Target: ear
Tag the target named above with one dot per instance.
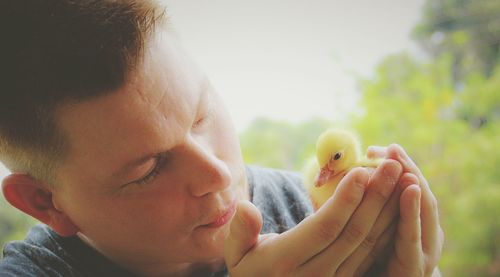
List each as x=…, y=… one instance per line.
x=35, y=199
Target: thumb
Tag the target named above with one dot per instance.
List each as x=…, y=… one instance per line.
x=244, y=233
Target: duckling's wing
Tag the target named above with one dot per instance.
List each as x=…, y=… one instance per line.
x=366, y=162
x=310, y=171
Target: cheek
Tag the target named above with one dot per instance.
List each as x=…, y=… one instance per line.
x=227, y=146
x=228, y=149
x=144, y=214
x=159, y=206
x=225, y=138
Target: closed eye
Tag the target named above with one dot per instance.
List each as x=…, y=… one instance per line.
x=160, y=162
x=204, y=119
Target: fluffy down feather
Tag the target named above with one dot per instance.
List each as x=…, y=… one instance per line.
x=337, y=152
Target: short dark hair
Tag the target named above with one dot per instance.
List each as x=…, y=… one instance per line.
x=56, y=51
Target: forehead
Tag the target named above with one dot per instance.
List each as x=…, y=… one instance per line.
x=145, y=115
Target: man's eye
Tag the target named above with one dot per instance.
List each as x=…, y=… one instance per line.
x=203, y=120
x=161, y=160
x=198, y=122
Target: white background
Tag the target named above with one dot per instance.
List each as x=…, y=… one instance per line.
x=291, y=59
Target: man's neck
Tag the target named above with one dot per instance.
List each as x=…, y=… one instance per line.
x=186, y=269
x=156, y=269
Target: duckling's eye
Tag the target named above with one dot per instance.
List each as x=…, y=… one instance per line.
x=337, y=156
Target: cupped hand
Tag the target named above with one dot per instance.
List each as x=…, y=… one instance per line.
x=324, y=243
x=419, y=237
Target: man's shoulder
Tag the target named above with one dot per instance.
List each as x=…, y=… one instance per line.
x=37, y=255
x=280, y=196
x=45, y=253
x=262, y=177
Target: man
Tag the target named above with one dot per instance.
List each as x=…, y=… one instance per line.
x=119, y=144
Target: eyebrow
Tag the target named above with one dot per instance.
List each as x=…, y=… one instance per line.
x=205, y=97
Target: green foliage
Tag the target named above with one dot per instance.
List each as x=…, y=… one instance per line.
x=280, y=144
x=13, y=224
x=469, y=29
x=444, y=112
x=454, y=137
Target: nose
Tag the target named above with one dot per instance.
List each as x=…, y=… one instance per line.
x=205, y=172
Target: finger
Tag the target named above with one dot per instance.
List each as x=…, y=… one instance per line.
x=380, y=188
x=380, y=252
x=405, y=181
x=319, y=230
x=429, y=213
x=388, y=215
x=408, y=245
x=244, y=233
x=375, y=152
x=390, y=212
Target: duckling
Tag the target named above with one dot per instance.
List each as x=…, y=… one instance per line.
x=337, y=152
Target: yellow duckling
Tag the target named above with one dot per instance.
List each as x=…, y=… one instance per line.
x=337, y=151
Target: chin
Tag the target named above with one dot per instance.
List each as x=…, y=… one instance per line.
x=210, y=243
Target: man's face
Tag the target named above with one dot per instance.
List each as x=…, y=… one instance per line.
x=154, y=169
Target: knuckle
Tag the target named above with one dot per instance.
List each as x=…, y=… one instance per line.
x=408, y=178
x=392, y=169
x=358, y=176
x=387, y=175
x=350, y=199
x=328, y=230
x=369, y=242
x=284, y=267
x=354, y=233
x=380, y=195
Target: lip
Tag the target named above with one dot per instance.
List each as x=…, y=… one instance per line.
x=223, y=218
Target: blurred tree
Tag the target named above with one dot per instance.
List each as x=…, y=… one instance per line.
x=280, y=144
x=469, y=29
x=415, y=104
x=13, y=223
x=445, y=112
x=452, y=135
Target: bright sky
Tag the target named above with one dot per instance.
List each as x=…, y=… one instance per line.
x=290, y=59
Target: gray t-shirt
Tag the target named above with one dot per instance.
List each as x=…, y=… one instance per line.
x=278, y=194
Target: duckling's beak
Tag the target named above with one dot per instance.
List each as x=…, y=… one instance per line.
x=323, y=176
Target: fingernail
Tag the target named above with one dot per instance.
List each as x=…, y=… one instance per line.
x=391, y=169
